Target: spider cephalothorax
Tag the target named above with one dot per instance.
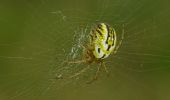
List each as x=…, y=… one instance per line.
x=88, y=55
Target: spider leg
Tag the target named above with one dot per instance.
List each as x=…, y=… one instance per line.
x=105, y=68
x=76, y=62
x=76, y=74
x=83, y=46
x=123, y=31
x=96, y=75
x=80, y=72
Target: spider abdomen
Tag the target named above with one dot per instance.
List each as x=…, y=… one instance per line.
x=103, y=40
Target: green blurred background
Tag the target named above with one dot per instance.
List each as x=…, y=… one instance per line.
x=36, y=36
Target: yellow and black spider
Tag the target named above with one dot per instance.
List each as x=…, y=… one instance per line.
x=102, y=43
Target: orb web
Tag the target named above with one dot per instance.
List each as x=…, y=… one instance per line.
x=34, y=65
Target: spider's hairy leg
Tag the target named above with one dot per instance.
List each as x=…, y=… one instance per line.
x=120, y=42
x=80, y=72
x=105, y=68
x=76, y=74
x=76, y=62
x=83, y=46
x=96, y=75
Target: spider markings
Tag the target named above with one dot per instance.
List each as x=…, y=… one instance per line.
x=103, y=40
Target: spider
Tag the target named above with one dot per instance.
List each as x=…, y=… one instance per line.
x=102, y=43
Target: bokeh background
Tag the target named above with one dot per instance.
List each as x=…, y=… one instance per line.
x=38, y=36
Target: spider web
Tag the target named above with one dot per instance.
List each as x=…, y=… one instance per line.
x=33, y=62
